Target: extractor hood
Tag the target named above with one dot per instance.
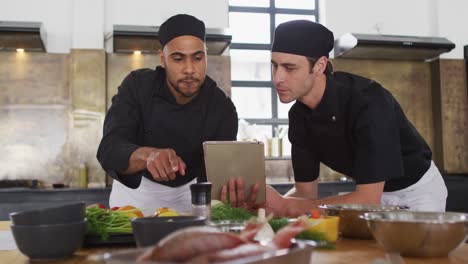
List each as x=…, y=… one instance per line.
x=368, y=46
x=29, y=36
x=145, y=39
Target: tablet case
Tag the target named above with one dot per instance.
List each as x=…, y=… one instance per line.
x=233, y=159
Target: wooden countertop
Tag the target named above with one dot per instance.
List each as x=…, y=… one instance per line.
x=346, y=251
x=366, y=251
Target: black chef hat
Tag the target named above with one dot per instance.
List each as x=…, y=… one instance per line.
x=181, y=25
x=303, y=37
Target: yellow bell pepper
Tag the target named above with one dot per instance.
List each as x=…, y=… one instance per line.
x=328, y=225
x=165, y=211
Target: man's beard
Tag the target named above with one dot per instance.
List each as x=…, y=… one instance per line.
x=181, y=92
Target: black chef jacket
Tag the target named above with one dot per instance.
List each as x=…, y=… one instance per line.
x=359, y=130
x=145, y=113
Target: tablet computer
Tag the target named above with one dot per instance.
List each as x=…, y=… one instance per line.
x=226, y=160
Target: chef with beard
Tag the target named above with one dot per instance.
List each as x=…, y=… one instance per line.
x=158, y=120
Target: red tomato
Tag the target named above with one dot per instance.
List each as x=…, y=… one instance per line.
x=99, y=205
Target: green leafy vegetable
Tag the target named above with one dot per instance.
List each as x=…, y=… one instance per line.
x=224, y=211
x=105, y=221
x=312, y=235
x=278, y=223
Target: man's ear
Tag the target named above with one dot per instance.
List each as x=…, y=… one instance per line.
x=321, y=65
x=161, y=59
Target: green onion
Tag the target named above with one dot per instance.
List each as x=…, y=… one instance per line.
x=104, y=222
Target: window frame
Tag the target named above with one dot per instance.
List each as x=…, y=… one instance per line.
x=274, y=121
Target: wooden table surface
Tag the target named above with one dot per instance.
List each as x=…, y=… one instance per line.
x=346, y=251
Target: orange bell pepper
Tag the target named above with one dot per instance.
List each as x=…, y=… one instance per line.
x=131, y=211
x=314, y=213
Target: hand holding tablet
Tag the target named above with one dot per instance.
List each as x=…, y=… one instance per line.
x=226, y=160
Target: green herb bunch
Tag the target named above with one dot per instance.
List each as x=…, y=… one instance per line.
x=224, y=211
x=105, y=221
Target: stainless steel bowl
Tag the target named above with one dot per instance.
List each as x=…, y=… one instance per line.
x=418, y=234
x=351, y=225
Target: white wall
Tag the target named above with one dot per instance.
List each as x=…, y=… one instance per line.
x=453, y=23
x=400, y=17
x=154, y=12
x=83, y=23
x=87, y=24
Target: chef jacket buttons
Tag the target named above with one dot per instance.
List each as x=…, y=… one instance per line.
x=148, y=132
x=333, y=118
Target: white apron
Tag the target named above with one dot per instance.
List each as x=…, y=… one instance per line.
x=150, y=196
x=428, y=194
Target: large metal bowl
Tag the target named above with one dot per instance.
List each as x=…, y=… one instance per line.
x=351, y=225
x=418, y=234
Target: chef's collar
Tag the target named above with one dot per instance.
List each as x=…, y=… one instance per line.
x=328, y=106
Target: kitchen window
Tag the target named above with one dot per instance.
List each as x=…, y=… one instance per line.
x=252, y=24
